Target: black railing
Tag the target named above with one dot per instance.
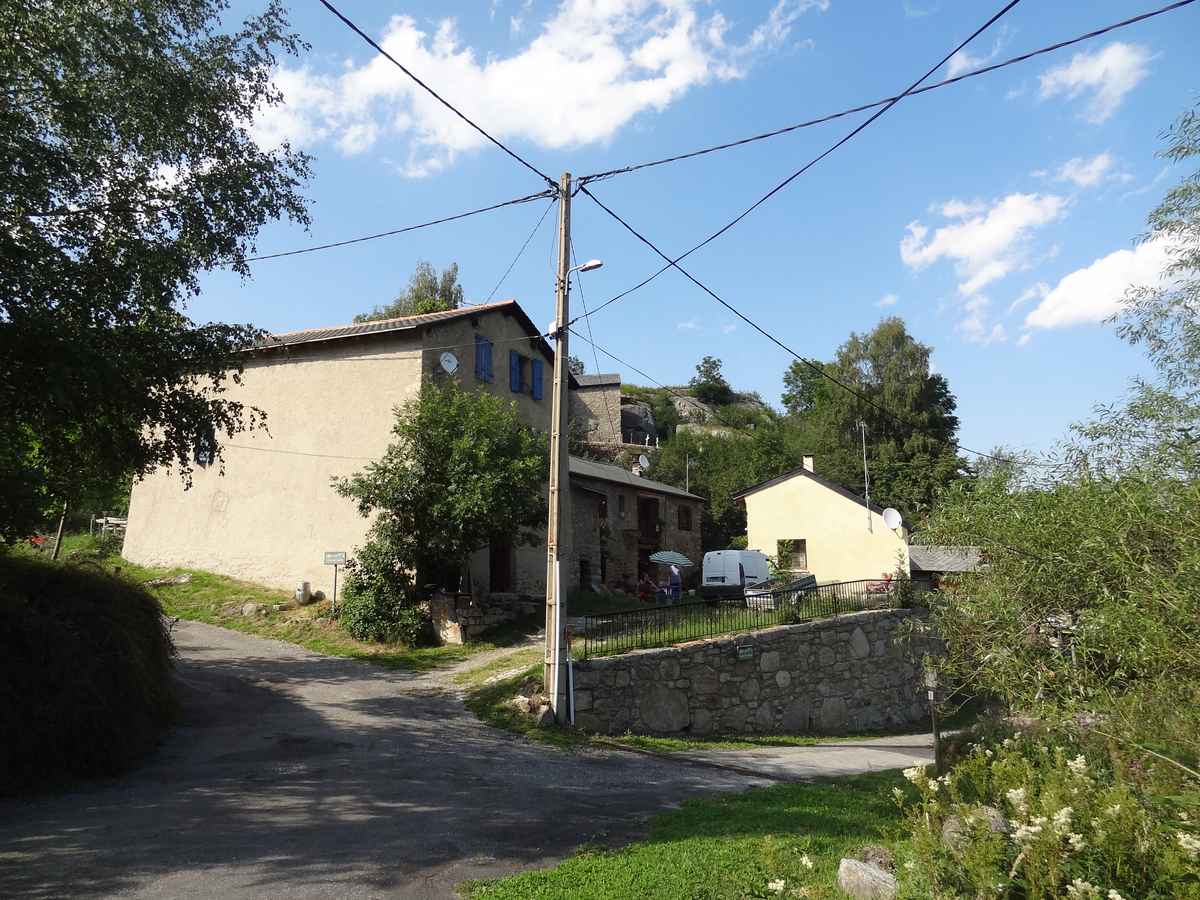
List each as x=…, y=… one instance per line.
x=661, y=626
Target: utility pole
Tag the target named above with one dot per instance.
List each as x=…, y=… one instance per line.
x=560, y=493
x=866, y=476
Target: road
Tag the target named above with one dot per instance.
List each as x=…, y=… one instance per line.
x=299, y=775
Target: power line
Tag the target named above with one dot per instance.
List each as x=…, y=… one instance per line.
x=1024, y=57
x=407, y=228
x=442, y=100
x=615, y=425
x=521, y=252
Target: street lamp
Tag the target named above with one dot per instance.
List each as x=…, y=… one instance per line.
x=587, y=266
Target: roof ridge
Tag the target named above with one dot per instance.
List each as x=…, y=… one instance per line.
x=393, y=320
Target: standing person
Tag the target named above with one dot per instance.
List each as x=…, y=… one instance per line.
x=676, y=583
x=646, y=588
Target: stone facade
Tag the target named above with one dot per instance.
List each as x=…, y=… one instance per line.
x=833, y=676
x=462, y=619
x=595, y=413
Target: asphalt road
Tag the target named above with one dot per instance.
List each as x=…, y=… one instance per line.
x=298, y=775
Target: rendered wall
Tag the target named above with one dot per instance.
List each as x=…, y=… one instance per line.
x=840, y=548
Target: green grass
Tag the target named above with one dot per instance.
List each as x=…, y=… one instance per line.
x=590, y=603
x=522, y=661
x=218, y=600
x=728, y=847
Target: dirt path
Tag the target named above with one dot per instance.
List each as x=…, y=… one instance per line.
x=298, y=775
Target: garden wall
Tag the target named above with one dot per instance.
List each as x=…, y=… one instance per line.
x=837, y=675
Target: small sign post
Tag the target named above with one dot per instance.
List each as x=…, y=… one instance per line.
x=931, y=684
x=335, y=558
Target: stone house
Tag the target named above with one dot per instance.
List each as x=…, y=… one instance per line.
x=812, y=525
x=268, y=513
x=596, y=409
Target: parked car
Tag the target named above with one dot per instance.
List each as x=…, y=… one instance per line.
x=770, y=595
x=727, y=573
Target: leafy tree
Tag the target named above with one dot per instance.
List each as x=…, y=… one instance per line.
x=126, y=169
x=910, y=450
x=709, y=385
x=575, y=366
x=427, y=292
x=463, y=472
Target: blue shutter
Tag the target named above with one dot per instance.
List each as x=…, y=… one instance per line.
x=537, y=379
x=483, y=358
x=514, y=371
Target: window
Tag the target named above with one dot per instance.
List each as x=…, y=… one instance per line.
x=793, y=554
x=620, y=506
x=538, y=378
x=602, y=509
x=518, y=372
x=685, y=518
x=206, y=449
x=483, y=359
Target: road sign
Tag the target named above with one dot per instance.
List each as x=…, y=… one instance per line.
x=335, y=557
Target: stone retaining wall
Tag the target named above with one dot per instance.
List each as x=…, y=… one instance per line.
x=462, y=619
x=838, y=675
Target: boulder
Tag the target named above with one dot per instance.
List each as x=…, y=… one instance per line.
x=956, y=828
x=250, y=610
x=832, y=718
x=689, y=409
x=664, y=709
x=520, y=703
x=859, y=645
x=865, y=881
x=637, y=421
x=877, y=855
x=544, y=717
x=183, y=578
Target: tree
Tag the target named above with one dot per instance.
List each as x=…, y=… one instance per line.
x=462, y=472
x=709, y=385
x=910, y=421
x=575, y=366
x=126, y=169
x=427, y=292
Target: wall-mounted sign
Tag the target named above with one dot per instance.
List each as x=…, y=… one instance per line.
x=335, y=557
x=745, y=651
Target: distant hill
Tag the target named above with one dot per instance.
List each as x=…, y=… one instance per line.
x=656, y=413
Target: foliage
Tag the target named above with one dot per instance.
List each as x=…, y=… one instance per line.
x=910, y=449
x=708, y=385
x=85, y=677
x=575, y=366
x=127, y=168
x=1083, y=821
x=463, y=471
x=427, y=292
x=791, y=836
x=369, y=609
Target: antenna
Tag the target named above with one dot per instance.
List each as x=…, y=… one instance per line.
x=448, y=362
x=866, y=475
x=643, y=460
x=891, y=518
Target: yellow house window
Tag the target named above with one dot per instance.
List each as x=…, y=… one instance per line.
x=793, y=554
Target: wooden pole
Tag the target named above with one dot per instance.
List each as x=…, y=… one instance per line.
x=559, y=490
x=58, y=538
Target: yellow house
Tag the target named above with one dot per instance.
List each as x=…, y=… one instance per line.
x=809, y=524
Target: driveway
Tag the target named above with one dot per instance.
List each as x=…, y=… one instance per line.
x=298, y=775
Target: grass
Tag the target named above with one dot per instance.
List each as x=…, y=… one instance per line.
x=218, y=600
x=728, y=847
x=591, y=603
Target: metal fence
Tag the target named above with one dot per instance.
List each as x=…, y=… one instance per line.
x=661, y=626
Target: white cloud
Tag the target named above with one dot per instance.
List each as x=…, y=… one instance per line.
x=918, y=11
x=974, y=326
x=1023, y=340
x=887, y=300
x=985, y=243
x=963, y=61
x=1085, y=172
x=585, y=73
x=729, y=329
x=1095, y=292
x=689, y=325
x=1107, y=74
x=515, y=24
x=1035, y=292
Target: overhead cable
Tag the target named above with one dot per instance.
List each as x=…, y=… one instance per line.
x=613, y=423
x=521, y=252
x=442, y=100
x=407, y=228
x=787, y=129
x=808, y=165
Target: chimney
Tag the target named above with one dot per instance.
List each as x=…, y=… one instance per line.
x=808, y=463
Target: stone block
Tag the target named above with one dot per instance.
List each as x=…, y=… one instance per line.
x=749, y=690
x=859, y=645
x=827, y=657
x=663, y=709
x=782, y=678
x=668, y=669
x=764, y=717
x=769, y=661
x=621, y=678
x=865, y=881
x=702, y=721
x=583, y=700
x=586, y=678
x=832, y=717
x=795, y=717
x=705, y=680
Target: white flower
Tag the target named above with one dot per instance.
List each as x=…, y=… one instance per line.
x=1017, y=798
x=1025, y=834
x=934, y=785
x=910, y=866
x=988, y=754
x=1008, y=743
x=1080, y=888
x=1076, y=841
x=1113, y=810
x=806, y=862
x=1183, y=817
x=777, y=886
x=1113, y=895
x=1062, y=819
x=1189, y=843
x=898, y=794
x=1078, y=765
x=915, y=774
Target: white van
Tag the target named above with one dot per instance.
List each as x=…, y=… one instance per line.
x=727, y=573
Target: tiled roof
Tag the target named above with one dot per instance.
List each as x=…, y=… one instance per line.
x=943, y=558
x=586, y=468
x=586, y=381
x=379, y=326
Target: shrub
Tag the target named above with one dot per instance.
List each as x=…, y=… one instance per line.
x=1079, y=821
x=85, y=672
x=378, y=605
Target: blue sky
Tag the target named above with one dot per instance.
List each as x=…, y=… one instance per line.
x=996, y=216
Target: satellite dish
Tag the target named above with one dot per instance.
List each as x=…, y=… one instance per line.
x=891, y=518
x=449, y=363
x=643, y=461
